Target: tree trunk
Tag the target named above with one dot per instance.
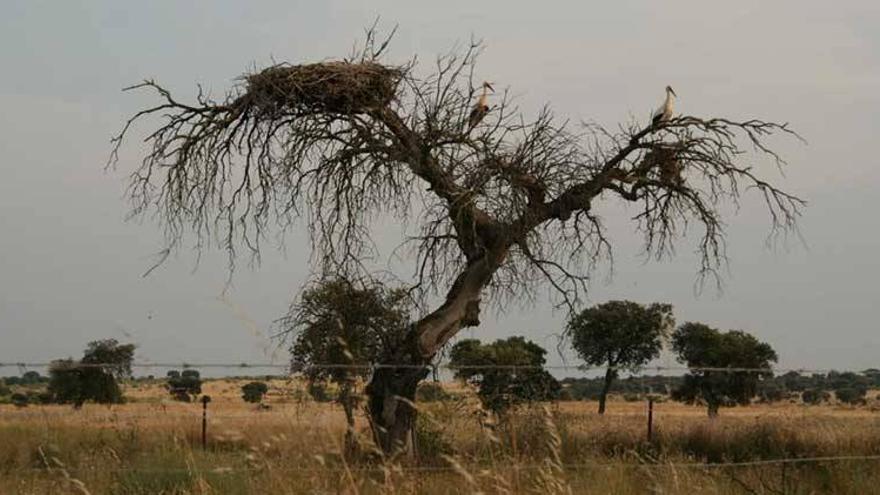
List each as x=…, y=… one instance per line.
x=610, y=375
x=392, y=388
x=712, y=409
x=346, y=400
x=392, y=395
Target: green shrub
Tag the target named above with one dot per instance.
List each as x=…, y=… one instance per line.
x=254, y=391
x=19, y=399
x=32, y=378
x=814, y=396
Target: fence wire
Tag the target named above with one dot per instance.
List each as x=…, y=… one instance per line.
x=508, y=467
x=445, y=367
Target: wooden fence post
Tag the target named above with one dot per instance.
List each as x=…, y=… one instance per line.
x=650, y=418
x=205, y=399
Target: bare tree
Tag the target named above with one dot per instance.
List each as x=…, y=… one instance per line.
x=502, y=208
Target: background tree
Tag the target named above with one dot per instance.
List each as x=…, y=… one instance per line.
x=849, y=387
x=32, y=378
x=701, y=346
x=622, y=335
x=253, y=392
x=772, y=391
x=794, y=381
x=501, y=209
x=93, y=378
x=813, y=396
x=190, y=374
x=873, y=376
x=851, y=395
x=340, y=329
x=65, y=382
x=506, y=372
x=103, y=365
x=184, y=386
x=110, y=356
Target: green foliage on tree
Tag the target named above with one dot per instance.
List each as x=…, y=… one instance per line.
x=849, y=387
x=253, y=392
x=851, y=395
x=184, y=386
x=622, y=335
x=93, y=378
x=110, y=356
x=701, y=346
x=506, y=372
x=794, y=381
x=66, y=381
x=32, y=378
x=772, y=391
x=873, y=377
x=339, y=329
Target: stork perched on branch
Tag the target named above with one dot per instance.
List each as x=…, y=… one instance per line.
x=664, y=113
x=481, y=108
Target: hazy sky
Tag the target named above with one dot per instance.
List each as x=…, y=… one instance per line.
x=70, y=265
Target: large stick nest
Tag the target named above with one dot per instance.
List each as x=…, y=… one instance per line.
x=335, y=87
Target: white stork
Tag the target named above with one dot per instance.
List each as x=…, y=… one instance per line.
x=664, y=113
x=481, y=108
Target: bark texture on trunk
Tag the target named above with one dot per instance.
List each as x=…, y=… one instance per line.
x=461, y=309
x=392, y=394
x=712, y=410
x=392, y=388
x=347, y=401
x=610, y=375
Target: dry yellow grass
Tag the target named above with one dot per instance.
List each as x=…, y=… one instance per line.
x=152, y=445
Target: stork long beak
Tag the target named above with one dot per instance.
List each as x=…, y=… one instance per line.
x=673, y=92
x=489, y=85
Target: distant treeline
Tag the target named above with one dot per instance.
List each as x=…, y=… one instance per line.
x=847, y=386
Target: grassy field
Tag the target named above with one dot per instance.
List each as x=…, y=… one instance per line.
x=152, y=445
